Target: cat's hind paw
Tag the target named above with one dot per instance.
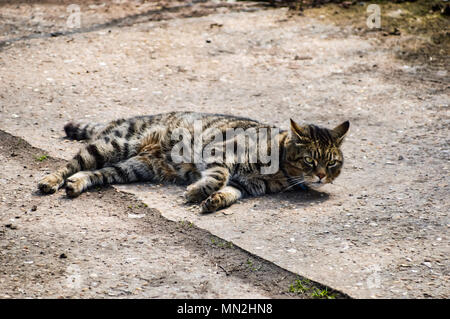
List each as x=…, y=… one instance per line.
x=50, y=184
x=212, y=203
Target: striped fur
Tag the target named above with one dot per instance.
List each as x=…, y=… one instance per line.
x=139, y=149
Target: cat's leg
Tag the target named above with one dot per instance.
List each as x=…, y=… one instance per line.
x=236, y=189
x=92, y=156
x=213, y=179
x=224, y=197
x=148, y=165
x=134, y=169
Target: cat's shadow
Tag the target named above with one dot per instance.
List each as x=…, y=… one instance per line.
x=298, y=199
x=301, y=197
x=61, y=193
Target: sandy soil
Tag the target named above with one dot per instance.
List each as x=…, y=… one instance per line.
x=380, y=231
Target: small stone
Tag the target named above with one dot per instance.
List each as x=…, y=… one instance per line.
x=297, y=58
x=34, y=208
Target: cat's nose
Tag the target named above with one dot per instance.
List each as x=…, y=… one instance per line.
x=320, y=175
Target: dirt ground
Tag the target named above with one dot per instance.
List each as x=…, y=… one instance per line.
x=381, y=230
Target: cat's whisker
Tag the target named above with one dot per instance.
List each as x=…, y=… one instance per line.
x=295, y=180
x=293, y=185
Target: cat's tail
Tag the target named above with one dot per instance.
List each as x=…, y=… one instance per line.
x=82, y=131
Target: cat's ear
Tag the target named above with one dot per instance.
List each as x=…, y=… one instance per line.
x=299, y=132
x=341, y=130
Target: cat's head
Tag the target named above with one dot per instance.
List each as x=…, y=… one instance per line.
x=313, y=153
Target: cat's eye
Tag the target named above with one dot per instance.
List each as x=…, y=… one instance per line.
x=308, y=160
x=332, y=163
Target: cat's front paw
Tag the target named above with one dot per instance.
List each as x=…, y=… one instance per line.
x=75, y=186
x=194, y=194
x=212, y=203
x=50, y=183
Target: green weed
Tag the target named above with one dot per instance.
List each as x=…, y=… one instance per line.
x=41, y=158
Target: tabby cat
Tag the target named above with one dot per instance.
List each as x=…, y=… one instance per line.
x=141, y=149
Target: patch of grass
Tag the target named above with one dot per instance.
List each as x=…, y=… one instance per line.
x=304, y=286
x=322, y=294
x=252, y=266
x=41, y=158
x=221, y=243
x=422, y=20
x=185, y=224
x=300, y=286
